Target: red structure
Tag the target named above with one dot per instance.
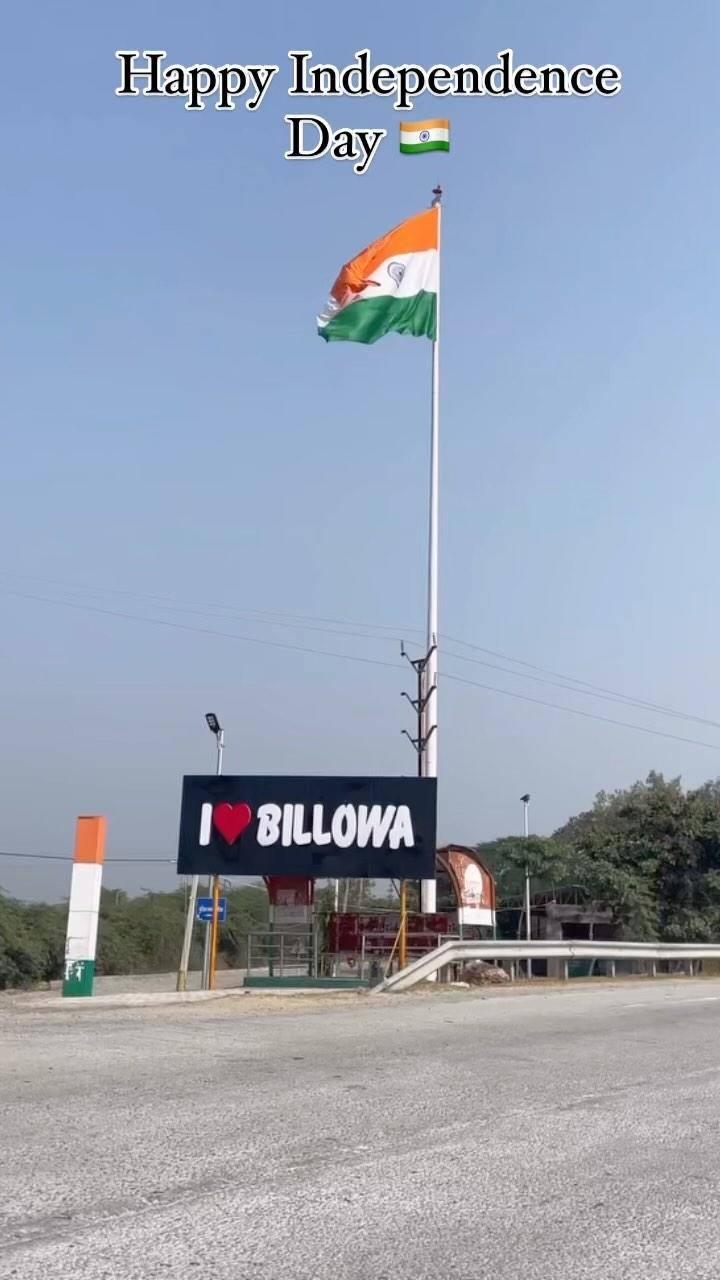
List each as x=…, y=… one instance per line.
x=466, y=901
x=379, y=931
x=291, y=899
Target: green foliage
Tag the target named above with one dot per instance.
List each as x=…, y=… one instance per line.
x=21, y=958
x=652, y=855
x=548, y=861
x=247, y=912
x=144, y=934
x=135, y=935
x=46, y=925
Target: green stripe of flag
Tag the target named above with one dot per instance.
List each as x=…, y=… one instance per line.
x=411, y=148
x=371, y=318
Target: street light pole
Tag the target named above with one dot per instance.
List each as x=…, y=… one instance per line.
x=528, y=918
x=182, y=975
x=215, y=727
x=220, y=749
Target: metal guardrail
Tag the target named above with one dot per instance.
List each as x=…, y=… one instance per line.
x=457, y=952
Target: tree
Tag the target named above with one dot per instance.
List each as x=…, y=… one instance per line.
x=546, y=859
x=247, y=913
x=23, y=958
x=651, y=854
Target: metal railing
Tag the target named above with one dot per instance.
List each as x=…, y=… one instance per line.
x=381, y=948
x=283, y=953
x=458, y=952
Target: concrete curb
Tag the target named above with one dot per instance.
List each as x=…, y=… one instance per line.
x=152, y=999
x=325, y=992
x=128, y=1000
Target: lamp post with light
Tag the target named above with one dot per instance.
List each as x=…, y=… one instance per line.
x=215, y=728
x=528, y=919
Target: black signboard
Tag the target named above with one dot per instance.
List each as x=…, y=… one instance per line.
x=365, y=827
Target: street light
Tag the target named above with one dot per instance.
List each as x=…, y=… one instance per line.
x=525, y=800
x=216, y=729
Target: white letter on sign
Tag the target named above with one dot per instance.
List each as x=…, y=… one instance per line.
x=205, y=823
x=300, y=835
x=319, y=836
x=268, y=831
x=374, y=824
x=344, y=826
x=287, y=827
x=402, y=829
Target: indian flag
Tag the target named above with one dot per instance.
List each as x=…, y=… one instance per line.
x=391, y=287
x=425, y=135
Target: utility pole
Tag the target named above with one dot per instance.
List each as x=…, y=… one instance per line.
x=419, y=704
x=419, y=744
x=528, y=916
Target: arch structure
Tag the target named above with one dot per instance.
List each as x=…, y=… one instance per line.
x=466, y=885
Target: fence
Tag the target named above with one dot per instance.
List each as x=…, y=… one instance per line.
x=378, y=954
x=291, y=953
x=283, y=953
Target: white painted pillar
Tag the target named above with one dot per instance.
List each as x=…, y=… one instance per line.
x=84, y=907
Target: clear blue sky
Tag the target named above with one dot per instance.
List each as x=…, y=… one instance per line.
x=174, y=427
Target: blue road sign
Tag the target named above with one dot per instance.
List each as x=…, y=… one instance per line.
x=204, y=910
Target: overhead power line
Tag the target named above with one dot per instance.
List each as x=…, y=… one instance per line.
x=138, y=860
x=599, y=689
x=203, y=631
x=67, y=857
x=576, y=711
x=605, y=696
x=586, y=688
x=46, y=857
x=265, y=617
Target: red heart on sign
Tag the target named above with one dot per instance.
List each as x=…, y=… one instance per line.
x=231, y=820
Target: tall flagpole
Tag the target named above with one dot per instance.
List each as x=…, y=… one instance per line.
x=428, y=894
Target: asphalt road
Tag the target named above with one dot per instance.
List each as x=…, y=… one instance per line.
x=555, y=1136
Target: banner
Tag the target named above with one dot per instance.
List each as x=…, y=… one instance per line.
x=291, y=899
x=472, y=884
x=368, y=828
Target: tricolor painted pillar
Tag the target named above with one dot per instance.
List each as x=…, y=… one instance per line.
x=82, y=925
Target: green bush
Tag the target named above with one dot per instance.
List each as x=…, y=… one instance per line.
x=140, y=934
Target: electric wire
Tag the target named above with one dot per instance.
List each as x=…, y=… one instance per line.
x=576, y=711
x=285, y=645
x=395, y=633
